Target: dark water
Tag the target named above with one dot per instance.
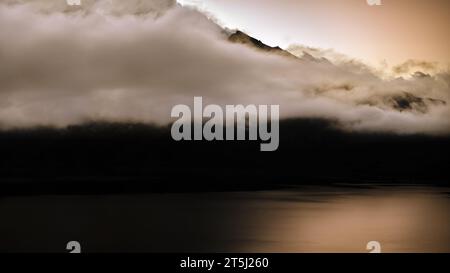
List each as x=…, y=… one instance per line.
x=307, y=219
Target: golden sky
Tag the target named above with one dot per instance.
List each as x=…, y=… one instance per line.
x=395, y=32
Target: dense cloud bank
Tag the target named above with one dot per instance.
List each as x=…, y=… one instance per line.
x=132, y=61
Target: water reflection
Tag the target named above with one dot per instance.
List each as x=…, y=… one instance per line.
x=401, y=219
x=307, y=219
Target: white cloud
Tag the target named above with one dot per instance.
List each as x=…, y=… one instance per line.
x=134, y=60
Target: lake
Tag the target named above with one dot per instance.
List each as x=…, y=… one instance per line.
x=342, y=218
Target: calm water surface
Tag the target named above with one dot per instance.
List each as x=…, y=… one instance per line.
x=306, y=219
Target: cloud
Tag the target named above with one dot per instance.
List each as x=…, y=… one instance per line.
x=135, y=60
x=111, y=7
x=318, y=53
x=411, y=66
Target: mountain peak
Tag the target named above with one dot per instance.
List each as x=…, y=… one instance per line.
x=243, y=38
